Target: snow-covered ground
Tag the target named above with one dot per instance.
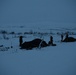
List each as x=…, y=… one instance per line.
x=52, y=60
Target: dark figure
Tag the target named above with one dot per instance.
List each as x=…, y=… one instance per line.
x=39, y=43
x=69, y=39
x=61, y=37
x=20, y=41
x=51, y=41
x=33, y=44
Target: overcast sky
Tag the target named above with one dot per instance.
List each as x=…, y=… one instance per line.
x=25, y=11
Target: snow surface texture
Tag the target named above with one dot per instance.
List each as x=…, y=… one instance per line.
x=58, y=60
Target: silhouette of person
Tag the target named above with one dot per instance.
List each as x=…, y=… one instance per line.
x=20, y=40
x=51, y=41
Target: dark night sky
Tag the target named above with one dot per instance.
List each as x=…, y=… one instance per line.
x=27, y=11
